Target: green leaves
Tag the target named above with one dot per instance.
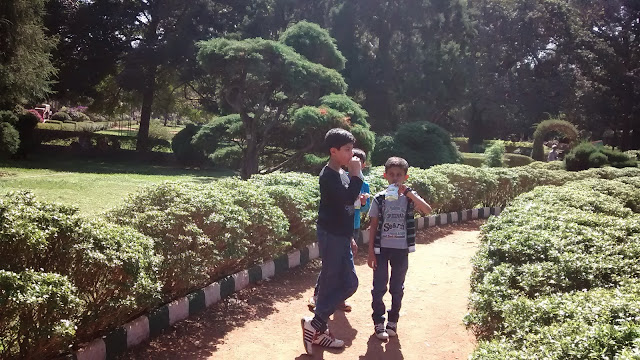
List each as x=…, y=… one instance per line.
x=422, y=144
x=273, y=89
x=39, y=313
x=74, y=273
x=556, y=274
x=314, y=43
x=494, y=155
x=259, y=68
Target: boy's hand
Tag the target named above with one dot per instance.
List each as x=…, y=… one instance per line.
x=372, y=261
x=363, y=199
x=355, y=166
x=402, y=188
x=354, y=247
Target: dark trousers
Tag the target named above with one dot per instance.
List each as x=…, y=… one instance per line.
x=399, y=261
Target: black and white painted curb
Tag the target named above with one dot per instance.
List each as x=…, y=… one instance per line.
x=151, y=325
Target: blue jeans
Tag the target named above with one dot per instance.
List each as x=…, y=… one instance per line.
x=356, y=235
x=338, y=280
x=399, y=261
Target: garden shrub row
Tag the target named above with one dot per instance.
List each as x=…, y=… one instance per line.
x=72, y=278
x=66, y=277
x=557, y=274
x=455, y=187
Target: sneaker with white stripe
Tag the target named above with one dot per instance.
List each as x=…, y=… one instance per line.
x=308, y=334
x=312, y=337
x=381, y=333
x=327, y=339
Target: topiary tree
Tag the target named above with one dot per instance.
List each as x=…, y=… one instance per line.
x=558, y=125
x=278, y=93
x=424, y=144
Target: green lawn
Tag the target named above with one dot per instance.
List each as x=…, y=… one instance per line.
x=118, y=132
x=93, y=186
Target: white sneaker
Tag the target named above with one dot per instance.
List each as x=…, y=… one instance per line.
x=312, y=337
x=327, y=339
x=308, y=334
x=381, y=333
x=392, y=328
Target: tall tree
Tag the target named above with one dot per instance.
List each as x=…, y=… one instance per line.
x=404, y=59
x=93, y=38
x=518, y=72
x=606, y=53
x=26, y=72
x=140, y=43
x=163, y=38
x=275, y=91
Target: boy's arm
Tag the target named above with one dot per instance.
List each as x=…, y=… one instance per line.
x=373, y=228
x=336, y=192
x=419, y=202
x=371, y=258
x=366, y=190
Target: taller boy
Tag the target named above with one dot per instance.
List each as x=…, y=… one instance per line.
x=338, y=192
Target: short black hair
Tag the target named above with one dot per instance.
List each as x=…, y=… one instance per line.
x=396, y=162
x=337, y=138
x=360, y=154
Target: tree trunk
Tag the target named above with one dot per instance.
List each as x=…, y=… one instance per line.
x=142, y=144
x=387, y=68
x=475, y=127
x=250, y=153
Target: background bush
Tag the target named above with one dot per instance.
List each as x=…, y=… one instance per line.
x=587, y=155
x=158, y=131
x=184, y=150
x=494, y=155
x=9, y=139
x=383, y=150
x=8, y=117
x=424, y=144
x=227, y=156
x=26, y=126
x=61, y=116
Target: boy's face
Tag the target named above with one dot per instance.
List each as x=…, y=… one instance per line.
x=396, y=175
x=342, y=155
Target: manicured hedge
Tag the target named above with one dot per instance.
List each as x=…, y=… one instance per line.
x=556, y=276
x=68, y=272
x=73, y=278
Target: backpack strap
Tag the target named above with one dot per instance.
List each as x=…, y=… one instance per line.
x=411, y=225
x=380, y=200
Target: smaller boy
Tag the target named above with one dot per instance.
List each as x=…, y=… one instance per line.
x=392, y=238
x=361, y=205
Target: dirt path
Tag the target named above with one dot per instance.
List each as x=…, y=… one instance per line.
x=263, y=321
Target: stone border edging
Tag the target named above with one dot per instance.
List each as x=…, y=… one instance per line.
x=148, y=326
